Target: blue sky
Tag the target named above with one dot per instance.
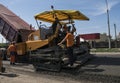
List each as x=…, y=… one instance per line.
x=94, y=9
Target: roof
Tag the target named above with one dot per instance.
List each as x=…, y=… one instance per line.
x=62, y=15
x=13, y=20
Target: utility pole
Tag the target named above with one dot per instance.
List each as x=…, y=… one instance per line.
x=115, y=36
x=2, y=40
x=108, y=21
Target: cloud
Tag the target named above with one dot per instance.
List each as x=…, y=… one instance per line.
x=112, y=4
x=101, y=8
x=12, y=2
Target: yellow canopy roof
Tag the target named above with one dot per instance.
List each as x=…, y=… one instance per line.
x=62, y=15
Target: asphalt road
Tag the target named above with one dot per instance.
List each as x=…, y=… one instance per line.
x=17, y=76
x=102, y=68
x=108, y=64
x=13, y=77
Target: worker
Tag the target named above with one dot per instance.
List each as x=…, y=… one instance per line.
x=13, y=51
x=64, y=30
x=69, y=38
x=2, y=69
x=62, y=33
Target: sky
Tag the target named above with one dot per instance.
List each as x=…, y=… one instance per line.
x=95, y=10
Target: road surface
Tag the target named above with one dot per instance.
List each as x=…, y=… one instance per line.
x=13, y=76
x=102, y=68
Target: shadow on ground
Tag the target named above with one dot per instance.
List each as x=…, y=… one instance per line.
x=9, y=74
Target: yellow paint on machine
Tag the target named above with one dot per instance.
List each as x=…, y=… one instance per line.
x=62, y=15
x=33, y=45
x=22, y=48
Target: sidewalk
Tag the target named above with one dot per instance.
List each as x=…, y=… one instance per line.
x=106, y=53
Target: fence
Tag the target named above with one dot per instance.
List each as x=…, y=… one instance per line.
x=114, y=44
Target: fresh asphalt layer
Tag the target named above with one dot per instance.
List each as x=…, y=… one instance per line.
x=104, y=64
x=101, y=63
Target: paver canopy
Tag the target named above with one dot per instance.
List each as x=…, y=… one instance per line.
x=62, y=15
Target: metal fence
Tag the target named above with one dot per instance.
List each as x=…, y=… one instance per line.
x=114, y=44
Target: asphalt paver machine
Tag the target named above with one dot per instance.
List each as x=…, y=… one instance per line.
x=44, y=53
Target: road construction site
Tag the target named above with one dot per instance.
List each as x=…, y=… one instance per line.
x=40, y=54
